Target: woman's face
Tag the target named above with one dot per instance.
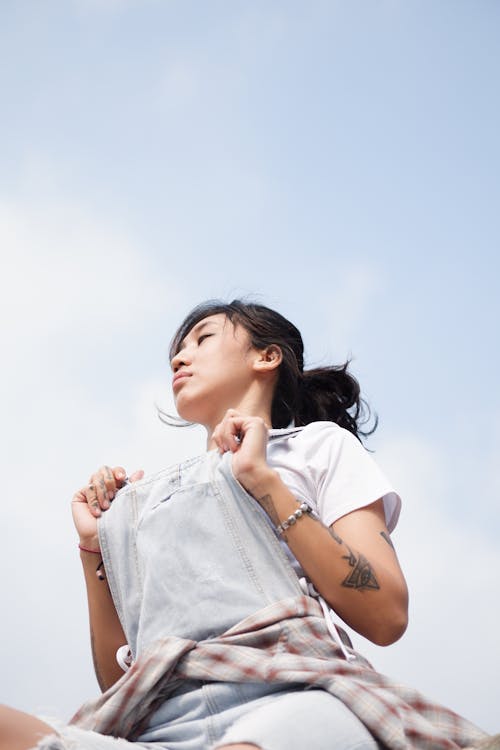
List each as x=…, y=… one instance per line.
x=213, y=370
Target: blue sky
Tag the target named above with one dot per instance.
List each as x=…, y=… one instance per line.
x=338, y=160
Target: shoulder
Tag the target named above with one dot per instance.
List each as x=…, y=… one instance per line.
x=333, y=468
x=314, y=448
x=322, y=436
x=346, y=474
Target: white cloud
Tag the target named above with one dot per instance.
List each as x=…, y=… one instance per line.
x=180, y=83
x=486, y=484
x=69, y=283
x=63, y=268
x=352, y=292
x=450, y=650
x=45, y=621
x=154, y=443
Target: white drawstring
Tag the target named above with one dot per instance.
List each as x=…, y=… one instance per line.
x=309, y=590
x=124, y=657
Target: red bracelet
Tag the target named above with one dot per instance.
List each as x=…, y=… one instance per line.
x=86, y=549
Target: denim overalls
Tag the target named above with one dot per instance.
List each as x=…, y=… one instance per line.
x=189, y=552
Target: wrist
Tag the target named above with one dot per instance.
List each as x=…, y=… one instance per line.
x=87, y=553
x=261, y=482
x=89, y=544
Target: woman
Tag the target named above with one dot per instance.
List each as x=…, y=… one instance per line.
x=210, y=585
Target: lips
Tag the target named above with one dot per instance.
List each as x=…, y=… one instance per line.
x=179, y=377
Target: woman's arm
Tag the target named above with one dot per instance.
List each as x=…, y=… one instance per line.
x=106, y=632
x=351, y=564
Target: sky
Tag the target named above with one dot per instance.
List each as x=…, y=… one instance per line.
x=337, y=161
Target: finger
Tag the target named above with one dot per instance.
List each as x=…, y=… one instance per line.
x=120, y=476
x=105, y=485
x=233, y=435
x=250, y=432
x=231, y=430
x=225, y=438
x=217, y=438
x=108, y=475
x=99, y=483
x=90, y=493
x=227, y=435
x=136, y=475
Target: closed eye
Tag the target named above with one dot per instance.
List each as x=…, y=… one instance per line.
x=203, y=337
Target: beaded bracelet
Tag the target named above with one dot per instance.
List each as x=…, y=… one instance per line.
x=302, y=510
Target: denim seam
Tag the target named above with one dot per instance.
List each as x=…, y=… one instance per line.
x=231, y=526
x=110, y=578
x=175, y=491
x=211, y=718
x=135, y=519
x=267, y=532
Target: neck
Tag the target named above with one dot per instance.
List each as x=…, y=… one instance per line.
x=248, y=406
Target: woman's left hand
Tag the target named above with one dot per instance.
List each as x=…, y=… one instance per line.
x=246, y=437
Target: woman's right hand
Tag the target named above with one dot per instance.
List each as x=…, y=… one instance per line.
x=90, y=501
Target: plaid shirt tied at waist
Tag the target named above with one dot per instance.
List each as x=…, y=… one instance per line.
x=287, y=641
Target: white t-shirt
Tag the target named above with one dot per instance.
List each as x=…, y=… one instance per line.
x=326, y=466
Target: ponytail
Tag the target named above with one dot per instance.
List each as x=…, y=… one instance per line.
x=333, y=394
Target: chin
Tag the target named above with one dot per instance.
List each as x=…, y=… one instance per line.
x=190, y=413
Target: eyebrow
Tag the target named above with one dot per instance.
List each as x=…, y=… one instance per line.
x=196, y=329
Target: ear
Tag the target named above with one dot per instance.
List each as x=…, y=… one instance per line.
x=268, y=359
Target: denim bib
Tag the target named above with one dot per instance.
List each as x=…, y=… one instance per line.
x=188, y=552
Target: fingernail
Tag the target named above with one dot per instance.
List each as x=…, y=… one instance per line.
x=120, y=474
x=105, y=504
x=110, y=495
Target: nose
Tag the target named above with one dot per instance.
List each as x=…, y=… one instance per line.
x=179, y=360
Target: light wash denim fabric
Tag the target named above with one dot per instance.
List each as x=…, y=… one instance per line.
x=192, y=544
x=229, y=713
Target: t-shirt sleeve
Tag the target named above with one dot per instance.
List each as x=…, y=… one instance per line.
x=347, y=477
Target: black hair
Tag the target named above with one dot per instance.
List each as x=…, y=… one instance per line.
x=301, y=396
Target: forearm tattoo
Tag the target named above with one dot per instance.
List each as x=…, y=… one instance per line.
x=387, y=538
x=334, y=534
x=266, y=502
x=362, y=576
